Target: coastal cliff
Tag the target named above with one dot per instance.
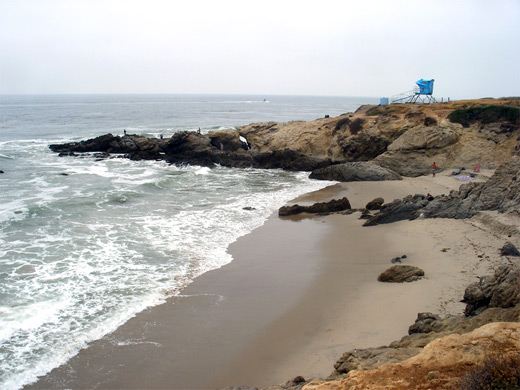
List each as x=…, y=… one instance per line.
x=403, y=138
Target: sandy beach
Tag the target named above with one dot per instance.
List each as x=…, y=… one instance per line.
x=299, y=293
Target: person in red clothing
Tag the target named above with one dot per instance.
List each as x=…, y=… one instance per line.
x=434, y=167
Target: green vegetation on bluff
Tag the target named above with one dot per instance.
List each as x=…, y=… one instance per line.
x=486, y=114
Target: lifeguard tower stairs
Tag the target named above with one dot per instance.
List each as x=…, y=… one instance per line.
x=422, y=93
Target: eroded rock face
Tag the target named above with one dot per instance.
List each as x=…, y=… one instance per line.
x=355, y=171
x=499, y=290
x=401, y=273
x=422, y=138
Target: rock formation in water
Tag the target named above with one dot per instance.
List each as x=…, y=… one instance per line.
x=405, y=139
x=223, y=147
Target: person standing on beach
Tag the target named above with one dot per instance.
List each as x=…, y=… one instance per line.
x=434, y=167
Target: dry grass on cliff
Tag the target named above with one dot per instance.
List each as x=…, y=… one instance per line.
x=496, y=373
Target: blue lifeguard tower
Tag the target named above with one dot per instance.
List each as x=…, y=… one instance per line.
x=422, y=93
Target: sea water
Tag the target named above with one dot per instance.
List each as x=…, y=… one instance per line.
x=87, y=243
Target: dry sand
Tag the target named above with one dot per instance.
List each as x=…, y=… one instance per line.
x=298, y=294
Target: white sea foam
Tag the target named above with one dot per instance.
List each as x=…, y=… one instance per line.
x=202, y=171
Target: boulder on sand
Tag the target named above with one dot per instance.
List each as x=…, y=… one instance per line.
x=509, y=250
x=499, y=290
x=401, y=273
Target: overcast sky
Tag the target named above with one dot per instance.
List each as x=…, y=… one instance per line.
x=320, y=47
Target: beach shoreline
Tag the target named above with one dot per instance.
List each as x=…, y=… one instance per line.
x=299, y=293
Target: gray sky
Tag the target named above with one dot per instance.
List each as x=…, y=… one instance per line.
x=319, y=47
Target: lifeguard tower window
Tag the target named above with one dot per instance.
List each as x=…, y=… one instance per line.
x=425, y=87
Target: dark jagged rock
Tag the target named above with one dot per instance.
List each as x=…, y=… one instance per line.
x=501, y=192
x=355, y=171
x=499, y=290
x=362, y=146
x=224, y=148
x=400, y=274
x=400, y=209
x=98, y=144
x=289, y=160
x=425, y=323
x=375, y=204
x=334, y=205
x=365, y=214
x=509, y=250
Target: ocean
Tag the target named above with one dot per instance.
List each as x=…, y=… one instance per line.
x=86, y=243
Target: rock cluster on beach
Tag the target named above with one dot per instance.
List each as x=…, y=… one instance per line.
x=501, y=193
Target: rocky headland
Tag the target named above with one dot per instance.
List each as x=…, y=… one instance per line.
x=387, y=143
x=405, y=139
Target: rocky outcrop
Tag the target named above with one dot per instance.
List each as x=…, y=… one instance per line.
x=403, y=138
x=408, y=208
x=332, y=206
x=501, y=193
x=354, y=171
x=224, y=148
x=400, y=274
x=499, y=290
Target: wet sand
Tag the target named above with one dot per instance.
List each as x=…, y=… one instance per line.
x=298, y=293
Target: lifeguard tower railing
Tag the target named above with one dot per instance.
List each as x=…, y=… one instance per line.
x=422, y=93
